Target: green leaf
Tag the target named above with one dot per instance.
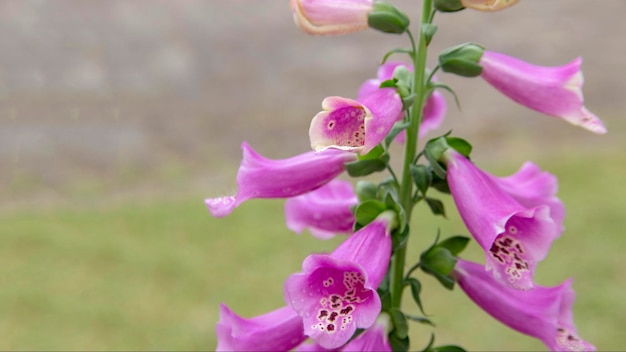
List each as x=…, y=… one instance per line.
x=422, y=177
x=449, y=5
x=395, y=130
x=401, y=328
x=397, y=51
x=460, y=145
x=450, y=90
x=438, y=260
x=448, y=348
x=440, y=184
x=436, y=206
x=368, y=210
x=421, y=320
x=366, y=167
x=430, y=343
x=454, y=244
x=376, y=153
x=429, y=30
x=366, y=190
x=398, y=344
x=390, y=83
x=416, y=288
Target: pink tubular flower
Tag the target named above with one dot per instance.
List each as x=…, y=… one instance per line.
x=531, y=187
x=324, y=211
x=259, y=177
x=336, y=294
x=513, y=236
x=434, y=109
x=353, y=125
x=324, y=17
x=278, y=330
x=554, y=91
x=543, y=312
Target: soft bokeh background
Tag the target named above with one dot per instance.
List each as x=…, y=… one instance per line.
x=117, y=118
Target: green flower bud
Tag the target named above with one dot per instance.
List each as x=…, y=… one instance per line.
x=462, y=60
x=387, y=18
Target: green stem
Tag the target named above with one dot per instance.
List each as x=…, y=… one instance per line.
x=406, y=187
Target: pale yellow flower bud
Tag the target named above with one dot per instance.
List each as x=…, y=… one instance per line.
x=488, y=5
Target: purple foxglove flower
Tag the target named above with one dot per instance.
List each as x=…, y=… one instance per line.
x=531, y=187
x=336, y=294
x=324, y=211
x=554, y=91
x=434, y=109
x=278, y=330
x=513, y=236
x=324, y=17
x=543, y=312
x=259, y=177
x=355, y=125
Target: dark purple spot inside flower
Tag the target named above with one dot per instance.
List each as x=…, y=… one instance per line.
x=333, y=316
x=323, y=313
x=346, y=310
x=330, y=327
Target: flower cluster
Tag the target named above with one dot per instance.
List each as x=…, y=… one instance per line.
x=350, y=299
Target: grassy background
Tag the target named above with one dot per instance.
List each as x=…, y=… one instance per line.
x=117, y=117
x=149, y=275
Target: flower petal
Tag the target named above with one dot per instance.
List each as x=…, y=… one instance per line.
x=279, y=330
x=259, y=177
x=325, y=211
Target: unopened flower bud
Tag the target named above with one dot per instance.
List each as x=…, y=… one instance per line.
x=488, y=5
x=328, y=17
x=462, y=60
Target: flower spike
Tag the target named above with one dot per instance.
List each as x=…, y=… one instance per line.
x=543, y=312
x=259, y=177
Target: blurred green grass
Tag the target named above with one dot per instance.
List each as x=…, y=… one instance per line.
x=150, y=275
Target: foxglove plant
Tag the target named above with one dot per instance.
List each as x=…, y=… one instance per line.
x=351, y=298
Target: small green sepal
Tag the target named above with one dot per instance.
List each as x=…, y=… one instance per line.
x=416, y=289
x=448, y=348
x=401, y=328
x=422, y=177
x=395, y=130
x=454, y=244
x=462, y=60
x=429, y=31
x=368, y=210
x=387, y=18
x=366, y=190
x=436, y=206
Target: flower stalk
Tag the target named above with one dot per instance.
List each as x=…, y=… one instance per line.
x=415, y=119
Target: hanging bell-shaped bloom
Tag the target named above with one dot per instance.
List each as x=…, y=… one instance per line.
x=488, y=5
x=278, y=330
x=543, y=312
x=554, y=91
x=324, y=211
x=531, y=187
x=327, y=17
x=514, y=237
x=434, y=108
x=335, y=294
x=259, y=177
x=355, y=125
